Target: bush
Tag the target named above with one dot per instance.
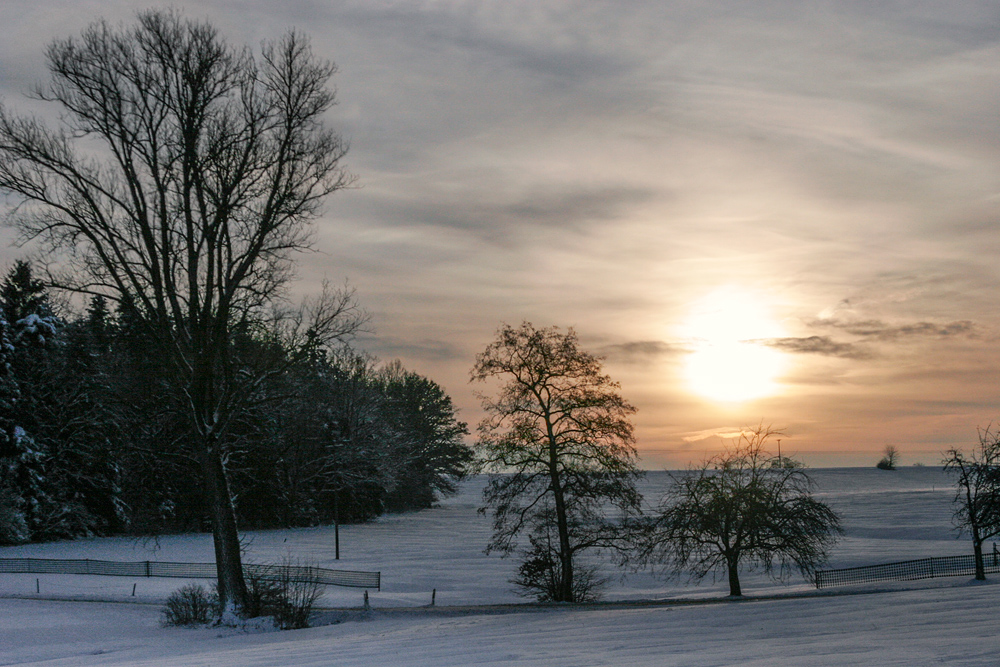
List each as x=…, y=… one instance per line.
x=190, y=605
x=264, y=595
x=540, y=575
x=272, y=591
x=299, y=599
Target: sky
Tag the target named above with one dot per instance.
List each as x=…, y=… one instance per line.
x=757, y=212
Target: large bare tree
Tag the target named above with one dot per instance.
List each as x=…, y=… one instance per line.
x=558, y=435
x=181, y=180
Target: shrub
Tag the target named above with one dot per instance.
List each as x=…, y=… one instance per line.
x=190, y=605
x=264, y=594
x=274, y=592
x=540, y=575
x=299, y=598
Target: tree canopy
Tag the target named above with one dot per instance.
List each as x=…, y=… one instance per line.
x=740, y=509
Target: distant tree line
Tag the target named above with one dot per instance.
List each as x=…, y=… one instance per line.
x=94, y=442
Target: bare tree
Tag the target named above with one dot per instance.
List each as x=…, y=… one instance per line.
x=181, y=180
x=890, y=458
x=559, y=438
x=977, y=496
x=739, y=509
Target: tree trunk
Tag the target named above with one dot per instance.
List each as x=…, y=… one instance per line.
x=565, y=592
x=977, y=549
x=565, y=551
x=229, y=566
x=734, y=579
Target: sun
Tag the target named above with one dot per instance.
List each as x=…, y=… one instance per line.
x=729, y=362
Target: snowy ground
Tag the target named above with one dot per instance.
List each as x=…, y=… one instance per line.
x=886, y=516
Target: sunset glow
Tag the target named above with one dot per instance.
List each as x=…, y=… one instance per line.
x=773, y=211
x=729, y=361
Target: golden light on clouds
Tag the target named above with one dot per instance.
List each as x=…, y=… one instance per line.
x=676, y=182
x=728, y=362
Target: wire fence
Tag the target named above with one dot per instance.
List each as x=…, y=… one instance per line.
x=150, y=568
x=908, y=570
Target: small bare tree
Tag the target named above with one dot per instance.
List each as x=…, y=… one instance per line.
x=977, y=496
x=180, y=182
x=737, y=510
x=890, y=458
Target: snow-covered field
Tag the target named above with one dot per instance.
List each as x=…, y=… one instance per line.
x=886, y=516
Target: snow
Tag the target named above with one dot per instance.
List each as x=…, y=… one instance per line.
x=886, y=515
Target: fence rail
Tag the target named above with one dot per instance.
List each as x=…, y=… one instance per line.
x=907, y=570
x=149, y=568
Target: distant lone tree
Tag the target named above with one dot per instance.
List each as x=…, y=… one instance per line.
x=890, y=458
x=740, y=510
x=977, y=494
x=558, y=439
x=179, y=183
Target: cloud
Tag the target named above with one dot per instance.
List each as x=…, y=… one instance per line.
x=511, y=217
x=640, y=351
x=822, y=345
x=724, y=432
x=879, y=330
x=390, y=347
x=870, y=331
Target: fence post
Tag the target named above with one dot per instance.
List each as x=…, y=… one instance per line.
x=148, y=570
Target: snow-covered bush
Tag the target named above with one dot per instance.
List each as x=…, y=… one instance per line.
x=190, y=605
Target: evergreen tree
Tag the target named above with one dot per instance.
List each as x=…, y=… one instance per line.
x=429, y=438
x=61, y=463
x=23, y=295
x=13, y=523
x=93, y=441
